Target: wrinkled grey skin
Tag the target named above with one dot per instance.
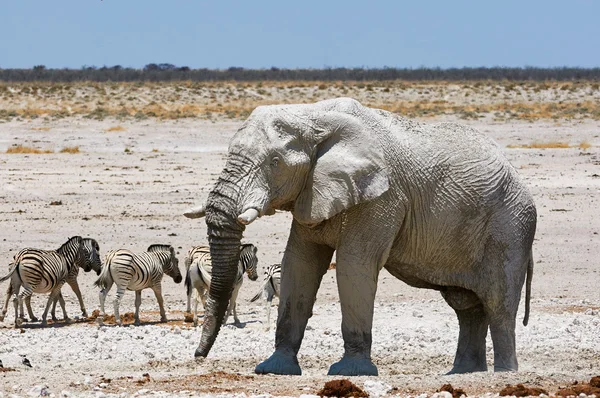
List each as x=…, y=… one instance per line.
x=438, y=206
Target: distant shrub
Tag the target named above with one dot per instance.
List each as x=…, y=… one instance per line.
x=70, y=149
x=115, y=128
x=21, y=149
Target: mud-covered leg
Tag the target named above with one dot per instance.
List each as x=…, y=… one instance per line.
x=138, y=302
x=473, y=326
x=303, y=266
x=157, y=289
x=18, y=302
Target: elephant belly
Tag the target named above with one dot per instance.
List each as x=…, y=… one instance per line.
x=402, y=272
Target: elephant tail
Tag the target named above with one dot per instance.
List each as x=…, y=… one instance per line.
x=528, y=288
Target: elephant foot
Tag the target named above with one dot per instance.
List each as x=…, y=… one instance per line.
x=279, y=364
x=504, y=369
x=353, y=366
x=460, y=369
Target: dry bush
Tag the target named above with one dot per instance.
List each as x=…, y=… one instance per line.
x=21, y=149
x=70, y=149
x=585, y=145
x=115, y=128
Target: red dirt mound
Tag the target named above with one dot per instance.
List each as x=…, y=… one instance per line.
x=127, y=317
x=456, y=392
x=341, y=388
x=521, y=391
x=188, y=318
x=593, y=387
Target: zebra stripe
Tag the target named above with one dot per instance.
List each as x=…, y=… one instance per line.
x=270, y=288
x=46, y=271
x=131, y=271
x=199, y=271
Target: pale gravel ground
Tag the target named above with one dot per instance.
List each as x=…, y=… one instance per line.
x=133, y=200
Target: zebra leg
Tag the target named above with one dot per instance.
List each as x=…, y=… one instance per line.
x=54, y=294
x=197, y=296
x=232, y=305
x=9, y=292
x=61, y=300
x=32, y=317
x=117, y=303
x=138, y=302
x=18, y=302
x=157, y=288
x=75, y=287
x=269, y=300
x=102, y=297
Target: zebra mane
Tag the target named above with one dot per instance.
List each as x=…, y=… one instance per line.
x=161, y=248
x=246, y=246
x=93, y=242
x=64, y=246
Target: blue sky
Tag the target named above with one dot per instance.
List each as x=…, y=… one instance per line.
x=299, y=34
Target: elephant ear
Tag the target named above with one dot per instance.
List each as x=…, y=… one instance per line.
x=349, y=169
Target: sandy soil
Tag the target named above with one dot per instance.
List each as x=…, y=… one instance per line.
x=134, y=198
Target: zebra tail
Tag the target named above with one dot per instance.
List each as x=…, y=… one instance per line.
x=104, y=277
x=13, y=267
x=188, y=283
x=260, y=292
x=204, y=273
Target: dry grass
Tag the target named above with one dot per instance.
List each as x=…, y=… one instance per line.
x=585, y=145
x=41, y=128
x=115, y=128
x=235, y=100
x=22, y=149
x=542, y=145
x=70, y=149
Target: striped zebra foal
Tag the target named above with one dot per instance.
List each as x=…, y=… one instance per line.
x=131, y=271
x=45, y=271
x=199, y=270
x=270, y=288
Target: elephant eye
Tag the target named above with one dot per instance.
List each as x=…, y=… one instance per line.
x=274, y=161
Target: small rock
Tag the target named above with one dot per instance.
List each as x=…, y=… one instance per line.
x=417, y=314
x=376, y=388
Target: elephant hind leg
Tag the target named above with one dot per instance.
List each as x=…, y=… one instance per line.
x=473, y=324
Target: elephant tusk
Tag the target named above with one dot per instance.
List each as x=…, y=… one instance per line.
x=195, y=212
x=248, y=216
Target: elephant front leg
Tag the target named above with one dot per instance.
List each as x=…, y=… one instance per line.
x=302, y=269
x=357, y=285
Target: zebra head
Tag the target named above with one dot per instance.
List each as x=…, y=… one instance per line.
x=171, y=265
x=92, y=253
x=249, y=261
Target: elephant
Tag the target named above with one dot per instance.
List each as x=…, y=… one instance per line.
x=437, y=205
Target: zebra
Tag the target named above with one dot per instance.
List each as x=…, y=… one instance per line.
x=270, y=288
x=46, y=271
x=92, y=255
x=199, y=272
x=131, y=271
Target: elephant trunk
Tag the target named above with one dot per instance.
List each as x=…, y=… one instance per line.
x=224, y=237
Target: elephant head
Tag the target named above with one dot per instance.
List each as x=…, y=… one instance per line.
x=314, y=160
